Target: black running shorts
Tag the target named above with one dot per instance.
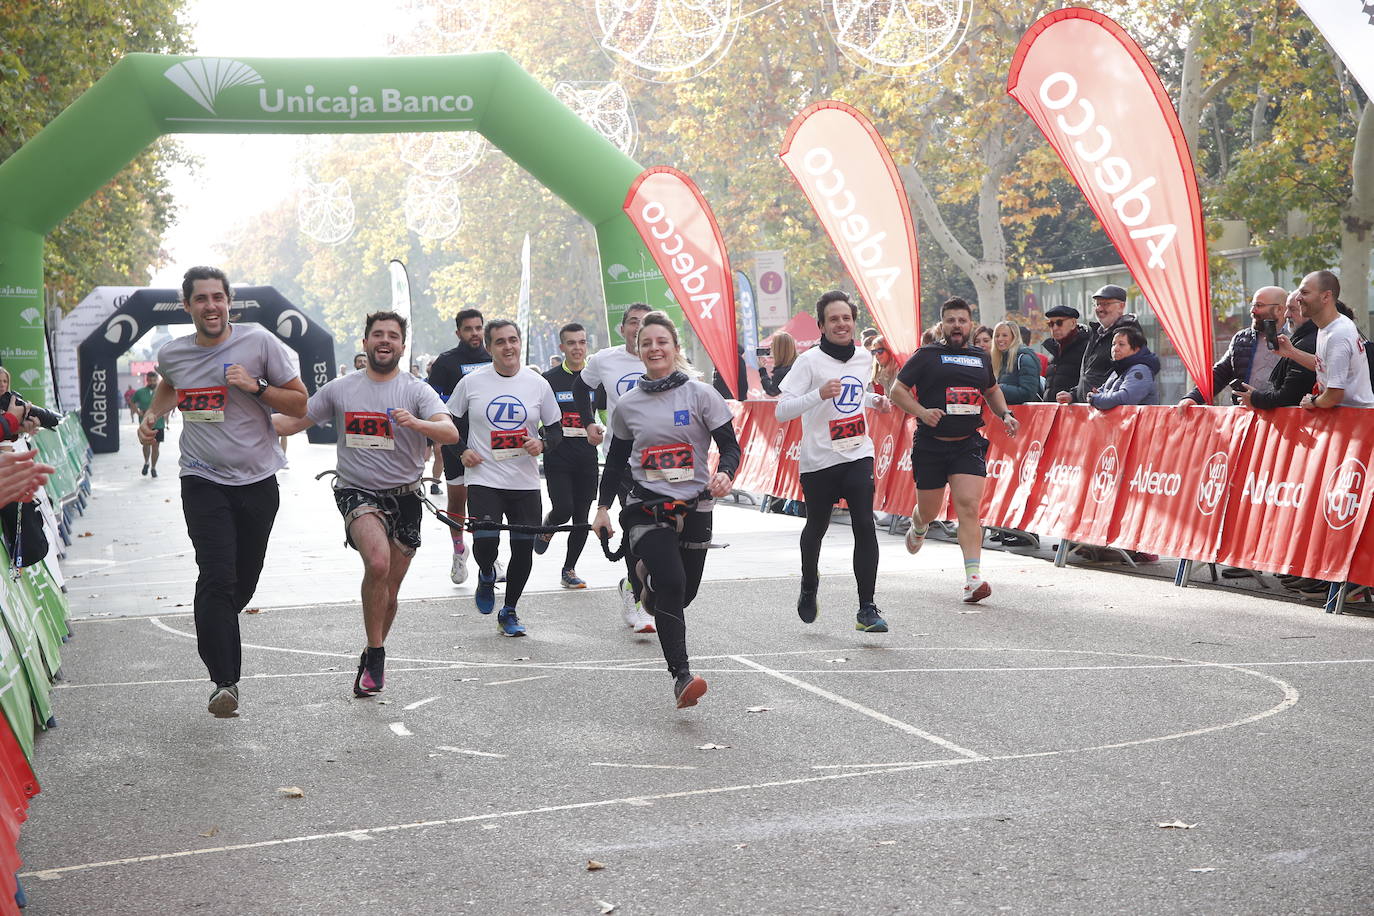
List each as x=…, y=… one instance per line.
x=934, y=461
x=400, y=514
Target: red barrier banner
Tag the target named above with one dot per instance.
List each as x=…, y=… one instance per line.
x=1080, y=475
x=760, y=442
x=1092, y=92
x=890, y=442
x=1362, y=563
x=1304, y=498
x=1178, y=478
x=787, y=479
x=847, y=173
x=680, y=231
x=1014, y=464
x=899, y=497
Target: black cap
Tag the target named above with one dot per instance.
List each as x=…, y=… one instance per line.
x=1110, y=292
x=1062, y=311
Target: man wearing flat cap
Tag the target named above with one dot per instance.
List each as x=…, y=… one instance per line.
x=1109, y=305
x=1067, y=341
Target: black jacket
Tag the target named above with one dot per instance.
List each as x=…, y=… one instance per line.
x=772, y=385
x=448, y=370
x=1066, y=362
x=1097, y=358
x=1234, y=364
x=1289, y=382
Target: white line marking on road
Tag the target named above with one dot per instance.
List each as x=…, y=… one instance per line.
x=461, y=750
x=879, y=766
x=643, y=766
x=400, y=729
x=864, y=710
x=418, y=703
x=246, y=677
x=160, y=556
x=518, y=680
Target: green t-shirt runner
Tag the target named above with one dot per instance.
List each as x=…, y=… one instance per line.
x=143, y=399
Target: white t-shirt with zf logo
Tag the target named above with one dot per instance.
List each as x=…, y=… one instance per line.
x=503, y=413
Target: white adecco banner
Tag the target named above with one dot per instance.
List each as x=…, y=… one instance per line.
x=1349, y=27
x=76, y=327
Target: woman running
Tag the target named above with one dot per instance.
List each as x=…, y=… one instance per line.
x=662, y=429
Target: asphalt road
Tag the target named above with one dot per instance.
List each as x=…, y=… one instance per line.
x=1020, y=756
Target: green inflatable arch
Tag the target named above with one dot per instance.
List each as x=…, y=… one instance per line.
x=147, y=95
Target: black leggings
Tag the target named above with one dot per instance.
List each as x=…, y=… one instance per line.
x=851, y=481
x=229, y=527
x=572, y=491
x=674, y=575
x=518, y=507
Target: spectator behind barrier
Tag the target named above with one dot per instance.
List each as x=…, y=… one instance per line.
x=1133, y=371
x=784, y=351
x=21, y=476
x=1066, y=346
x=885, y=367
x=1343, y=367
x=1253, y=352
x=720, y=384
x=982, y=338
x=19, y=416
x=1015, y=365
x=1109, y=305
x=867, y=337
x=1292, y=379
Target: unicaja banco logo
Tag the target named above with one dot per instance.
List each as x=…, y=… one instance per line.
x=204, y=78
x=29, y=376
x=31, y=316
x=1344, y=489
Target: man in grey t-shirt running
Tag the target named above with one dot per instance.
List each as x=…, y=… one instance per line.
x=385, y=419
x=226, y=380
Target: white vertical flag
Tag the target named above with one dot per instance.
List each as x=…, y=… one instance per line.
x=1348, y=26
x=400, y=304
x=522, y=312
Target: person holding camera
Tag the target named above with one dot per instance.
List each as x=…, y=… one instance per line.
x=784, y=353
x=1253, y=352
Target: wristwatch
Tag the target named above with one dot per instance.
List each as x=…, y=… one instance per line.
x=262, y=386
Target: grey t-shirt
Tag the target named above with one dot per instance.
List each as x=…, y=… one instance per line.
x=227, y=436
x=672, y=436
x=373, y=452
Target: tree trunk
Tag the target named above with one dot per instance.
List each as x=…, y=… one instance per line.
x=1357, y=223
x=1190, y=90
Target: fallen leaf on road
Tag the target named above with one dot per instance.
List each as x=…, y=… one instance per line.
x=759, y=709
x=741, y=845
x=593, y=865
x=606, y=908
x=253, y=610
x=85, y=534
x=291, y=791
x=712, y=747
x=211, y=832
x=1177, y=825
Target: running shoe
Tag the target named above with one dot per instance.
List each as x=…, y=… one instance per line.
x=371, y=673
x=974, y=595
x=915, y=540
x=687, y=689
x=806, y=605
x=643, y=622
x=434, y=489
x=500, y=572
x=153, y=472
x=145, y=469
x=508, y=623
x=646, y=593
x=485, y=596
x=541, y=542
x=868, y=620
x=629, y=607
x=458, y=572
x=570, y=580
x=224, y=701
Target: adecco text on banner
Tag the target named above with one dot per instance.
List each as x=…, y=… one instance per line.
x=867, y=248
x=686, y=271
x=1114, y=174
x=1155, y=483
x=1284, y=494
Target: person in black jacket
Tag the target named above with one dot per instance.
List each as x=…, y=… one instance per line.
x=740, y=390
x=1291, y=380
x=1066, y=345
x=1249, y=358
x=784, y=349
x=1109, y=305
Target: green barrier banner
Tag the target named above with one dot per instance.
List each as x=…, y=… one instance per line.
x=146, y=95
x=17, y=615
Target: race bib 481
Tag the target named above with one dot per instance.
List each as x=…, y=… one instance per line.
x=368, y=430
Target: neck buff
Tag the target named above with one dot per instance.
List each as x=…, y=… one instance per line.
x=670, y=381
x=842, y=353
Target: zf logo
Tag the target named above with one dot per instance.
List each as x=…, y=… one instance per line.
x=626, y=383
x=851, y=393
x=506, y=412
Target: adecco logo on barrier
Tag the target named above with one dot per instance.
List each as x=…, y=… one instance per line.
x=1030, y=462
x=999, y=468
x=1281, y=494
x=1344, y=488
x=885, y=455
x=1216, y=471
x=1106, y=475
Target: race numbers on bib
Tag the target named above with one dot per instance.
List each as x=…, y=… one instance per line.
x=572, y=424
x=672, y=462
x=508, y=443
x=848, y=433
x=202, y=405
x=963, y=401
x=368, y=430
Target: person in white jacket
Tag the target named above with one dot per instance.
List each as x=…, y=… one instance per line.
x=826, y=388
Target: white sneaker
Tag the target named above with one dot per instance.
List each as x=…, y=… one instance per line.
x=458, y=572
x=500, y=572
x=643, y=623
x=630, y=610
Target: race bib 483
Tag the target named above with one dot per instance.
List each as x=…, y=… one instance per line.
x=202, y=405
